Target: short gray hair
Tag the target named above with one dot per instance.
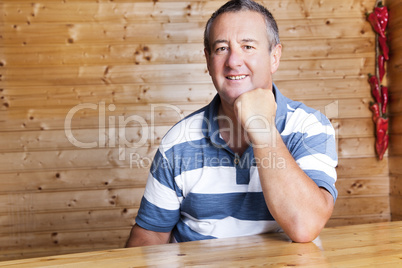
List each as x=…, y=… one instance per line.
x=245, y=5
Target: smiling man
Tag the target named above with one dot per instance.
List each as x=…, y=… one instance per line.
x=252, y=161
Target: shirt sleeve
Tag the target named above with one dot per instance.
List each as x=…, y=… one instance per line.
x=159, y=209
x=313, y=147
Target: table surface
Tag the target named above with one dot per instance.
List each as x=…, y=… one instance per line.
x=368, y=245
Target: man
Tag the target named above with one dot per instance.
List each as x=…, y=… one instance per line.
x=250, y=162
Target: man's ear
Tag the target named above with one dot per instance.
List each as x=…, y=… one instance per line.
x=276, y=54
x=207, y=58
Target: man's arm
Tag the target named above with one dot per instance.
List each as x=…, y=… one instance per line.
x=299, y=206
x=143, y=237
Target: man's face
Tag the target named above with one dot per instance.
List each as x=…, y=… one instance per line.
x=240, y=60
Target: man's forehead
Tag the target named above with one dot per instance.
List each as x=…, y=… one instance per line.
x=242, y=23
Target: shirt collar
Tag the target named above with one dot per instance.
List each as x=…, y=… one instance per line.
x=281, y=109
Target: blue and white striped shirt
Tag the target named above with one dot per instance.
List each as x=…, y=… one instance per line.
x=199, y=189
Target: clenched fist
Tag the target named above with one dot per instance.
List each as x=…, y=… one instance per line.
x=255, y=110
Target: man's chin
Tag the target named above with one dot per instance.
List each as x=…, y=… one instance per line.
x=231, y=98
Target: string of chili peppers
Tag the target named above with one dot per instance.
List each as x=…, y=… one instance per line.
x=379, y=20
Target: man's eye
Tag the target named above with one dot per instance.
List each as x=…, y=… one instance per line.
x=221, y=49
x=248, y=47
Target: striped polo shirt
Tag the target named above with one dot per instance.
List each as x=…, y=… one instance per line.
x=199, y=189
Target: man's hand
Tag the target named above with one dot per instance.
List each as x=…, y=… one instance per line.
x=255, y=111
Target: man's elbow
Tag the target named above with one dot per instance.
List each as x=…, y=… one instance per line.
x=304, y=237
x=304, y=233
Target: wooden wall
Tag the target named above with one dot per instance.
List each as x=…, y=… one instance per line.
x=106, y=73
x=395, y=88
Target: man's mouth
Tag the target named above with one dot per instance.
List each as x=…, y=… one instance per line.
x=236, y=77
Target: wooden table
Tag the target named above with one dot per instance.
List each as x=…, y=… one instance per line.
x=369, y=245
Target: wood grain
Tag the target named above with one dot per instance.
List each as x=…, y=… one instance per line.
x=104, y=61
x=395, y=108
x=346, y=246
x=184, y=53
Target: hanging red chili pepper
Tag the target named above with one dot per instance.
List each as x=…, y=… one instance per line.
x=375, y=108
x=381, y=66
x=379, y=21
x=375, y=88
x=375, y=23
x=382, y=137
x=381, y=128
x=384, y=47
x=384, y=99
x=381, y=147
x=382, y=16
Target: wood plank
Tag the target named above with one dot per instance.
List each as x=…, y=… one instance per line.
x=349, y=131
x=55, y=55
x=65, y=220
x=395, y=147
x=161, y=11
x=54, y=154
x=396, y=205
x=343, y=108
x=73, y=179
x=349, y=246
x=118, y=54
x=395, y=184
x=44, y=119
x=395, y=10
x=68, y=159
x=152, y=114
x=62, y=221
x=45, y=243
x=87, y=155
x=362, y=167
x=332, y=109
x=362, y=205
x=395, y=102
x=174, y=73
x=363, y=186
x=134, y=94
x=395, y=166
x=353, y=127
x=105, y=75
x=58, y=140
x=395, y=124
x=29, y=203
x=395, y=85
x=189, y=32
x=395, y=108
x=396, y=217
x=356, y=147
x=361, y=219
x=87, y=115
x=330, y=48
x=56, y=96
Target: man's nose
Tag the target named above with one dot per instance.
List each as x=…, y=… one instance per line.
x=235, y=58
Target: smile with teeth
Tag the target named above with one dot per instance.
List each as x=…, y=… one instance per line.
x=236, y=77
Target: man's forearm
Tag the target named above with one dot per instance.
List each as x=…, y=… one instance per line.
x=299, y=206
x=142, y=237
